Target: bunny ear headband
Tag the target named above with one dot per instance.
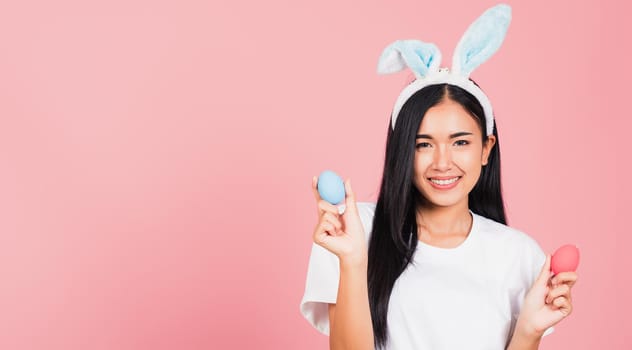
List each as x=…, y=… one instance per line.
x=480, y=41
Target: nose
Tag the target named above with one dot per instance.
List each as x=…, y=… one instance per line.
x=442, y=158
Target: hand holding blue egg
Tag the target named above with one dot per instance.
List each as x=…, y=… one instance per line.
x=331, y=187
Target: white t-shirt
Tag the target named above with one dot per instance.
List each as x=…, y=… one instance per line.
x=467, y=297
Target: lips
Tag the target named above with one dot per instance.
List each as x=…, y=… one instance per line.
x=444, y=185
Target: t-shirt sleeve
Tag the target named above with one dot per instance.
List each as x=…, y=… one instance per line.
x=323, y=276
x=534, y=260
x=321, y=287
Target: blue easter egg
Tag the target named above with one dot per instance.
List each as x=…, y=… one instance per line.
x=331, y=187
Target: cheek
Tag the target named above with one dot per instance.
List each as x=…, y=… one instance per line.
x=422, y=162
x=423, y=157
x=471, y=165
x=420, y=167
x=469, y=160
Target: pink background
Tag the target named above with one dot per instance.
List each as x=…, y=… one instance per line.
x=156, y=159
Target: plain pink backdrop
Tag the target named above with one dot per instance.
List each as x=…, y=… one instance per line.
x=156, y=159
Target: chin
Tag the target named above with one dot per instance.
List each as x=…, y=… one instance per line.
x=444, y=201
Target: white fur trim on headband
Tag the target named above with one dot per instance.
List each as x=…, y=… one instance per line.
x=444, y=76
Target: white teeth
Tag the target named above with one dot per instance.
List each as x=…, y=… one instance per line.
x=444, y=182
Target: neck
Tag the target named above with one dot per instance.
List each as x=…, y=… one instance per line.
x=445, y=220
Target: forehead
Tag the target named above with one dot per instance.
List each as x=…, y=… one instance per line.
x=447, y=117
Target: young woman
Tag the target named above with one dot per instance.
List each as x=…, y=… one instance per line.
x=432, y=264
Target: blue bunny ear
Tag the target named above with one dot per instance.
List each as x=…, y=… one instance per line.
x=420, y=57
x=481, y=40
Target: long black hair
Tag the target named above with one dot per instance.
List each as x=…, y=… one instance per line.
x=393, y=237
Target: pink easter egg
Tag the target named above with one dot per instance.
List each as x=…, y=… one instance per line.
x=565, y=258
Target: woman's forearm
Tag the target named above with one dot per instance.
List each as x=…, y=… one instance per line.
x=352, y=327
x=523, y=341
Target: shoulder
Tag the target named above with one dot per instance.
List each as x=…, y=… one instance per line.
x=519, y=250
x=506, y=236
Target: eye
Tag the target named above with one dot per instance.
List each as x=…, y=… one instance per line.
x=465, y=142
x=422, y=144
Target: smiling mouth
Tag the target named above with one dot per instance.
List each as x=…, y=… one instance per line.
x=444, y=182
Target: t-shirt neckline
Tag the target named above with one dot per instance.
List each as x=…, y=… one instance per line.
x=424, y=249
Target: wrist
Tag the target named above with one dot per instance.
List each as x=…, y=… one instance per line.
x=526, y=331
x=524, y=338
x=354, y=262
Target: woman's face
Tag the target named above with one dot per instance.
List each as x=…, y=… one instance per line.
x=449, y=150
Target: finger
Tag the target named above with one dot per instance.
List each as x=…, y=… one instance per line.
x=332, y=219
x=326, y=207
x=570, y=284
x=559, y=301
x=568, y=278
x=328, y=227
x=562, y=290
x=320, y=235
x=315, y=188
x=563, y=305
x=545, y=273
x=350, y=201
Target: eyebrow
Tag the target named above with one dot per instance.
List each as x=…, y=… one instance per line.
x=457, y=134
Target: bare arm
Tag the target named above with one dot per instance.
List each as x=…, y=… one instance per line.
x=352, y=328
x=522, y=341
